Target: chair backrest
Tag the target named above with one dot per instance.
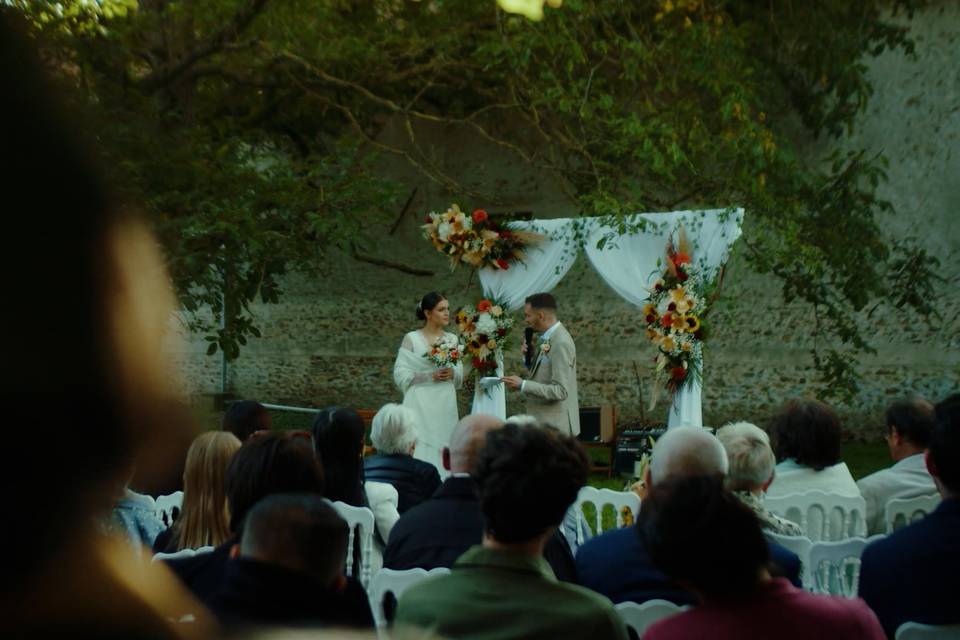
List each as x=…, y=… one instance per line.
x=834, y=567
x=361, y=523
x=917, y=631
x=900, y=512
x=169, y=506
x=390, y=581
x=640, y=616
x=801, y=546
x=626, y=506
x=183, y=553
x=822, y=516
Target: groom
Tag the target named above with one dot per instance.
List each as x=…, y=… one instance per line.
x=551, y=390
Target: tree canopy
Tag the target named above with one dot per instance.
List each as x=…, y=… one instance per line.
x=246, y=128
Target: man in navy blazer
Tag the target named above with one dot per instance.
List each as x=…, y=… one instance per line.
x=911, y=575
x=617, y=565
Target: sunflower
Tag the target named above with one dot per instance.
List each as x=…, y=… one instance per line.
x=649, y=309
x=693, y=323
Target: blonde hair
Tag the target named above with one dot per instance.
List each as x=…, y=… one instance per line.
x=748, y=450
x=204, y=519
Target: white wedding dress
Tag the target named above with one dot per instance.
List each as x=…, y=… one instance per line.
x=435, y=403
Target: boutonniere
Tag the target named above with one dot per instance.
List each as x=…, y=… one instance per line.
x=545, y=347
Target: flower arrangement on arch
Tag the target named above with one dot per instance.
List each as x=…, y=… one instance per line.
x=445, y=352
x=476, y=239
x=485, y=331
x=674, y=320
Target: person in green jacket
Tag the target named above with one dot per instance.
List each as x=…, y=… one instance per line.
x=526, y=479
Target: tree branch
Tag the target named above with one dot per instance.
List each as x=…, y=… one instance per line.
x=214, y=44
x=391, y=265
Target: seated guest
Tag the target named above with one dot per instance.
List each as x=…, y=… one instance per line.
x=911, y=575
x=275, y=462
x=135, y=516
x=618, y=565
x=394, y=434
x=243, y=418
x=908, y=426
x=707, y=539
x=439, y=530
x=526, y=478
x=203, y=519
x=750, y=472
x=338, y=435
x=806, y=438
x=288, y=568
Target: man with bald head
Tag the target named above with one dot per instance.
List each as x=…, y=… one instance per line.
x=616, y=563
x=440, y=529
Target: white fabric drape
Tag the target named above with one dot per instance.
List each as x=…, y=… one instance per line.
x=544, y=266
x=628, y=263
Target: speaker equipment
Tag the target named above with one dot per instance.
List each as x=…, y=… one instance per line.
x=597, y=424
x=528, y=340
x=632, y=444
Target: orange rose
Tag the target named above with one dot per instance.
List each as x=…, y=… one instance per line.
x=484, y=305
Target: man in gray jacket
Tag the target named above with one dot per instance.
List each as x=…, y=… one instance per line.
x=551, y=389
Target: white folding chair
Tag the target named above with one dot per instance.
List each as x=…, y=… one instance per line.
x=800, y=545
x=917, y=631
x=167, y=505
x=835, y=566
x=900, y=512
x=183, y=553
x=640, y=616
x=361, y=523
x=390, y=581
x=623, y=502
x=822, y=516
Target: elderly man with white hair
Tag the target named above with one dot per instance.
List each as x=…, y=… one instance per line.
x=394, y=435
x=750, y=472
x=617, y=563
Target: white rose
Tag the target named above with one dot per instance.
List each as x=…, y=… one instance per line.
x=486, y=324
x=444, y=230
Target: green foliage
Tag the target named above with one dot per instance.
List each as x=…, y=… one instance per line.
x=228, y=118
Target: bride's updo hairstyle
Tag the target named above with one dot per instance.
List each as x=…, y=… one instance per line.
x=427, y=303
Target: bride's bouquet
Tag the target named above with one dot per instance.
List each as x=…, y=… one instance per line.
x=445, y=352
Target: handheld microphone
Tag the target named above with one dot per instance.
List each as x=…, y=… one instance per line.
x=528, y=340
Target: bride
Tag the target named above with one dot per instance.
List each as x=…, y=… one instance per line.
x=428, y=390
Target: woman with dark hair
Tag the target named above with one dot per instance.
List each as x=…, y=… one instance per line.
x=338, y=435
x=703, y=537
x=806, y=440
x=428, y=390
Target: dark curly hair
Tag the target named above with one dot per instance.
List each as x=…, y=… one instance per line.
x=807, y=431
x=703, y=536
x=527, y=478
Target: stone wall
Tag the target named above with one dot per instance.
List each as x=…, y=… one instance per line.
x=333, y=338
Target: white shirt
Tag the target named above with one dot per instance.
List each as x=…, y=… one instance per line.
x=908, y=478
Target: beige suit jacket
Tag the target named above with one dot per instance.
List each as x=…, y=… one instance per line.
x=551, y=390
